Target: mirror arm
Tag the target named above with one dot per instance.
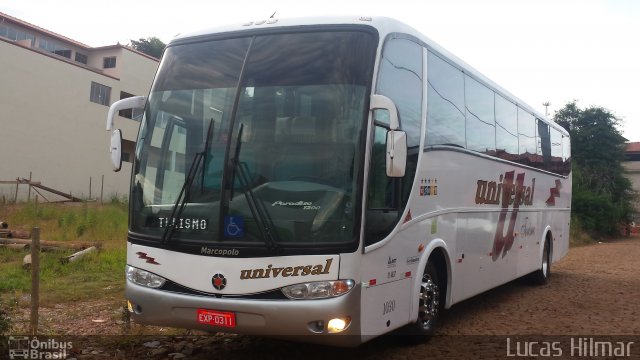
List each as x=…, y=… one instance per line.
x=383, y=102
x=135, y=102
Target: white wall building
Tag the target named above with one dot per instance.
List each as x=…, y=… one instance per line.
x=54, y=96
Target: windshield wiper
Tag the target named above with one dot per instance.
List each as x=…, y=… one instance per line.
x=185, y=192
x=181, y=201
x=206, y=152
x=258, y=210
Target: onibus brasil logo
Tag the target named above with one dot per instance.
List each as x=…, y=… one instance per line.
x=25, y=347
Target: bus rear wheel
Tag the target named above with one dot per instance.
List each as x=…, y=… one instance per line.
x=541, y=276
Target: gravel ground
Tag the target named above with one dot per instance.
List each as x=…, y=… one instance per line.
x=594, y=293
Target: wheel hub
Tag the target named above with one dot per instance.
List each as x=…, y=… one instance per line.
x=545, y=261
x=429, y=302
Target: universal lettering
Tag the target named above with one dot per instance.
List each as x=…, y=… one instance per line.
x=509, y=191
x=274, y=272
x=504, y=191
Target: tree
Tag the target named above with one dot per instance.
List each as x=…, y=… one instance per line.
x=151, y=46
x=601, y=193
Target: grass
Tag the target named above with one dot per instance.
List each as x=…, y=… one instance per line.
x=580, y=237
x=73, y=222
x=577, y=235
x=92, y=277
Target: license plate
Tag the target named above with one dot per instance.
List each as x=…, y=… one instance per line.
x=217, y=318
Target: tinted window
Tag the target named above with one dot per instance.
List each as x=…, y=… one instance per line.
x=272, y=67
x=401, y=80
x=109, y=62
x=81, y=58
x=100, y=94
x=270, y=130
x=566, y=154
x=383, y=208
x=506, y=128
x=526, y=137
x=445, y=96
x=65, y=52
x=556, y=152
x=543, y=155
x=190, y=67
x=463, y=111
x=481, y=128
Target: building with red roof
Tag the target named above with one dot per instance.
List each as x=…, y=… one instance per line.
x=54, y=100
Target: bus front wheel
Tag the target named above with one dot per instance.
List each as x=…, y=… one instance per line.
x=430, y=303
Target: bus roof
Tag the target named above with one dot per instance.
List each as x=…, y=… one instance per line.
x=384, y=26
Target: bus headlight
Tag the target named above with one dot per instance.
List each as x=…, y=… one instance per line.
x=144, y=278
x=318, y=289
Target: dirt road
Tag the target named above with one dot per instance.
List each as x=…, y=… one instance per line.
x=594, y=292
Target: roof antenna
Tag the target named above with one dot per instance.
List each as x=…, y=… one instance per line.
x=272, y=15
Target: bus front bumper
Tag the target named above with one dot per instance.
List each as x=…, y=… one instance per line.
x=302, y=320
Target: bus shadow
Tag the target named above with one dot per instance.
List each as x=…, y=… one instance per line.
x=252, y=348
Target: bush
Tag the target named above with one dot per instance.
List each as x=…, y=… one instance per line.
x=597, y=212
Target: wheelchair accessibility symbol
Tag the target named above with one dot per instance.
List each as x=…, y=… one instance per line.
x=233, y=226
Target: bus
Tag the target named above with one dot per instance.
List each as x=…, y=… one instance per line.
x=332, y=180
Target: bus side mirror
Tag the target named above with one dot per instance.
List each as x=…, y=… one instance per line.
x=116, y=150
x=135, y=102
x=396, y=153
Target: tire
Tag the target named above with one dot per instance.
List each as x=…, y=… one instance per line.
x=542, y=275
x=430, y=305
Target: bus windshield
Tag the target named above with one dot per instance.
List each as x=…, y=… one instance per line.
x=257, y=141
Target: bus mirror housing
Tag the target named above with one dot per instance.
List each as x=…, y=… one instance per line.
x=116, y=150
x=396, y=153
x=396, y=139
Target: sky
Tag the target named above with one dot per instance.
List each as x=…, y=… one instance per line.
x=552, y=51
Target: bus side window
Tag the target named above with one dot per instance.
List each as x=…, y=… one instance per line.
x=383, y=193
x=543, y=140
x=400, y=79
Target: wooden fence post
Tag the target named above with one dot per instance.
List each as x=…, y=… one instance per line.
x=35, y=279
x=29, y=195
x=101, y=189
